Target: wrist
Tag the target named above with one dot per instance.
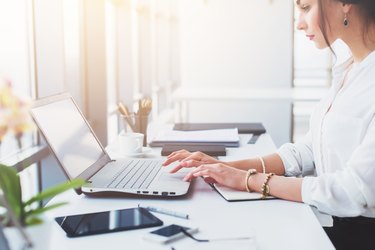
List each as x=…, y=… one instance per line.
x=249, y=173
x=262, y=164
x=256, y=181
x=265, y=186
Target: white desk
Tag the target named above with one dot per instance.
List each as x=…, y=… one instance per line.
x=276, y=224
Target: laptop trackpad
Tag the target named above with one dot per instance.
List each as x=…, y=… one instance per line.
x=172, y=177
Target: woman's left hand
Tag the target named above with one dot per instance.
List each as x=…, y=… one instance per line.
x=221, y=173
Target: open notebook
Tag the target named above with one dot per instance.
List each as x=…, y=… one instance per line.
x=234, y=195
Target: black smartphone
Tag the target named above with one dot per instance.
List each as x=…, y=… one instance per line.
x=169, y=233
x=107, y=222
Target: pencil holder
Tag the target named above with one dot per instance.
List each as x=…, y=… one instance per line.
x=137, y=124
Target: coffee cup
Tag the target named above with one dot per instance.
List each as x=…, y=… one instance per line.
x=136, y=123
x=130, y=143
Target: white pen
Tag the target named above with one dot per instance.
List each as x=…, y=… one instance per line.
x=167, y=212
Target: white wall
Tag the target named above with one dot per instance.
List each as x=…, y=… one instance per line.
x=238, y=44
x=275, y=116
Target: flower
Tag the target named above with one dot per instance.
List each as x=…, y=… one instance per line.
x=14, y=116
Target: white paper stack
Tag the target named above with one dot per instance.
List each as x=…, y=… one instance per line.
x=227, y=137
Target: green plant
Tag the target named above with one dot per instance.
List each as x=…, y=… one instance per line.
x=28, y=212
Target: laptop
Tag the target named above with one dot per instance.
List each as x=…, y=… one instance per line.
x=81, y=155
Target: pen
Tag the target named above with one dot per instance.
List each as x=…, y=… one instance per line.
x=167, y=212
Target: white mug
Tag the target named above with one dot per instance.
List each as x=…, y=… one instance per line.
x=130, y=143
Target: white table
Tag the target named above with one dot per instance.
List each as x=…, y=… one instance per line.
x=276, y=224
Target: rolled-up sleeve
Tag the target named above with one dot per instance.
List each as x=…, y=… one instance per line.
x=298, y=158
x=350, y=191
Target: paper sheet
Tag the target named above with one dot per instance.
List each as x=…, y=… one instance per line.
x=235, y=195
x=214, y=135
x=221, y=245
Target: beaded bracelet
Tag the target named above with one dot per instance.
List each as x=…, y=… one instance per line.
x=263, y=165
x=249, y=173
x=265, y=187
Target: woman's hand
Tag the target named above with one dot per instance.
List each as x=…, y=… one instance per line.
x=220, y=173
x=188, y=159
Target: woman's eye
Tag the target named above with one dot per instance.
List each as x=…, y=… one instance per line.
x=305, y=7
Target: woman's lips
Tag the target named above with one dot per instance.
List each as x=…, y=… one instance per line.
x=311, y=37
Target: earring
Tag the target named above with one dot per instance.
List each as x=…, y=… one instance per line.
x=346, y=21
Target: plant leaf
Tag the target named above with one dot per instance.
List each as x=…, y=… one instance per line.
x=44, y=209
x=33, y=221
x=10, y=184
x=50, y=192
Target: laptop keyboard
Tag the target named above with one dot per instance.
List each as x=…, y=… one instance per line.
x=136, y=174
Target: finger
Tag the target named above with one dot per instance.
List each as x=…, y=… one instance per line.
x=183, y=151
x=190, y=175
x=176, y=157
x=185, y=164
x=208, y=171
x=191, y=163
x=204, y=173
x=176, y=168
x=209, y=180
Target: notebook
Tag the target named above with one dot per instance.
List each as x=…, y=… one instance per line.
x=256, y=128
x=243, y=128
x=209, y=149
x=81, y=155
x=228, y=137
x=230, y=194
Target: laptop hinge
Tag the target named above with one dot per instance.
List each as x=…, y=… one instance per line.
x=94, y=168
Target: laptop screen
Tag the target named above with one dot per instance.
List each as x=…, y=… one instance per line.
x=68, y=134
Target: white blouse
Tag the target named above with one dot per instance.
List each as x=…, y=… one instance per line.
x=337, y=155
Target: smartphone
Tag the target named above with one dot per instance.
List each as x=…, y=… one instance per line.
x=168, y=233
x=107, y=221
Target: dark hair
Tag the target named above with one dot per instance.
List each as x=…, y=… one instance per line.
x=365, y=7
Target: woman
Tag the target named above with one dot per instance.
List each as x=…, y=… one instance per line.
x=339, y=150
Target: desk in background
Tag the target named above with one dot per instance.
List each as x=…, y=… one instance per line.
x=277, y=224
x=276, y=107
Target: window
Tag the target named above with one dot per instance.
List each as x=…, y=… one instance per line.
x=15, y=63
x=16, y=73
x=142, y=56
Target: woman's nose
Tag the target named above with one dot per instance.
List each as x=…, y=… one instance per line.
x=301, y=24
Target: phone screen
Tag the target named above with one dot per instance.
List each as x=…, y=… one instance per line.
x=169, y=230
x=108, y=221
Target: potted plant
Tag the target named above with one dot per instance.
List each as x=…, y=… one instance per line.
x=28, y=214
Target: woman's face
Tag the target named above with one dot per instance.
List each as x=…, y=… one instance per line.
x=308, y=21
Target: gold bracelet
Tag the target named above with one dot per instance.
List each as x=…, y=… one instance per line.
x=265, y=186
x=263, y=165
x=249, y=173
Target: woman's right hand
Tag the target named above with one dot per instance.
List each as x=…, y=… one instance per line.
x=188, y=160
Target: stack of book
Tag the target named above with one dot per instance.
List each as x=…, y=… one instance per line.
x=211, y=142
x=210, y=138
